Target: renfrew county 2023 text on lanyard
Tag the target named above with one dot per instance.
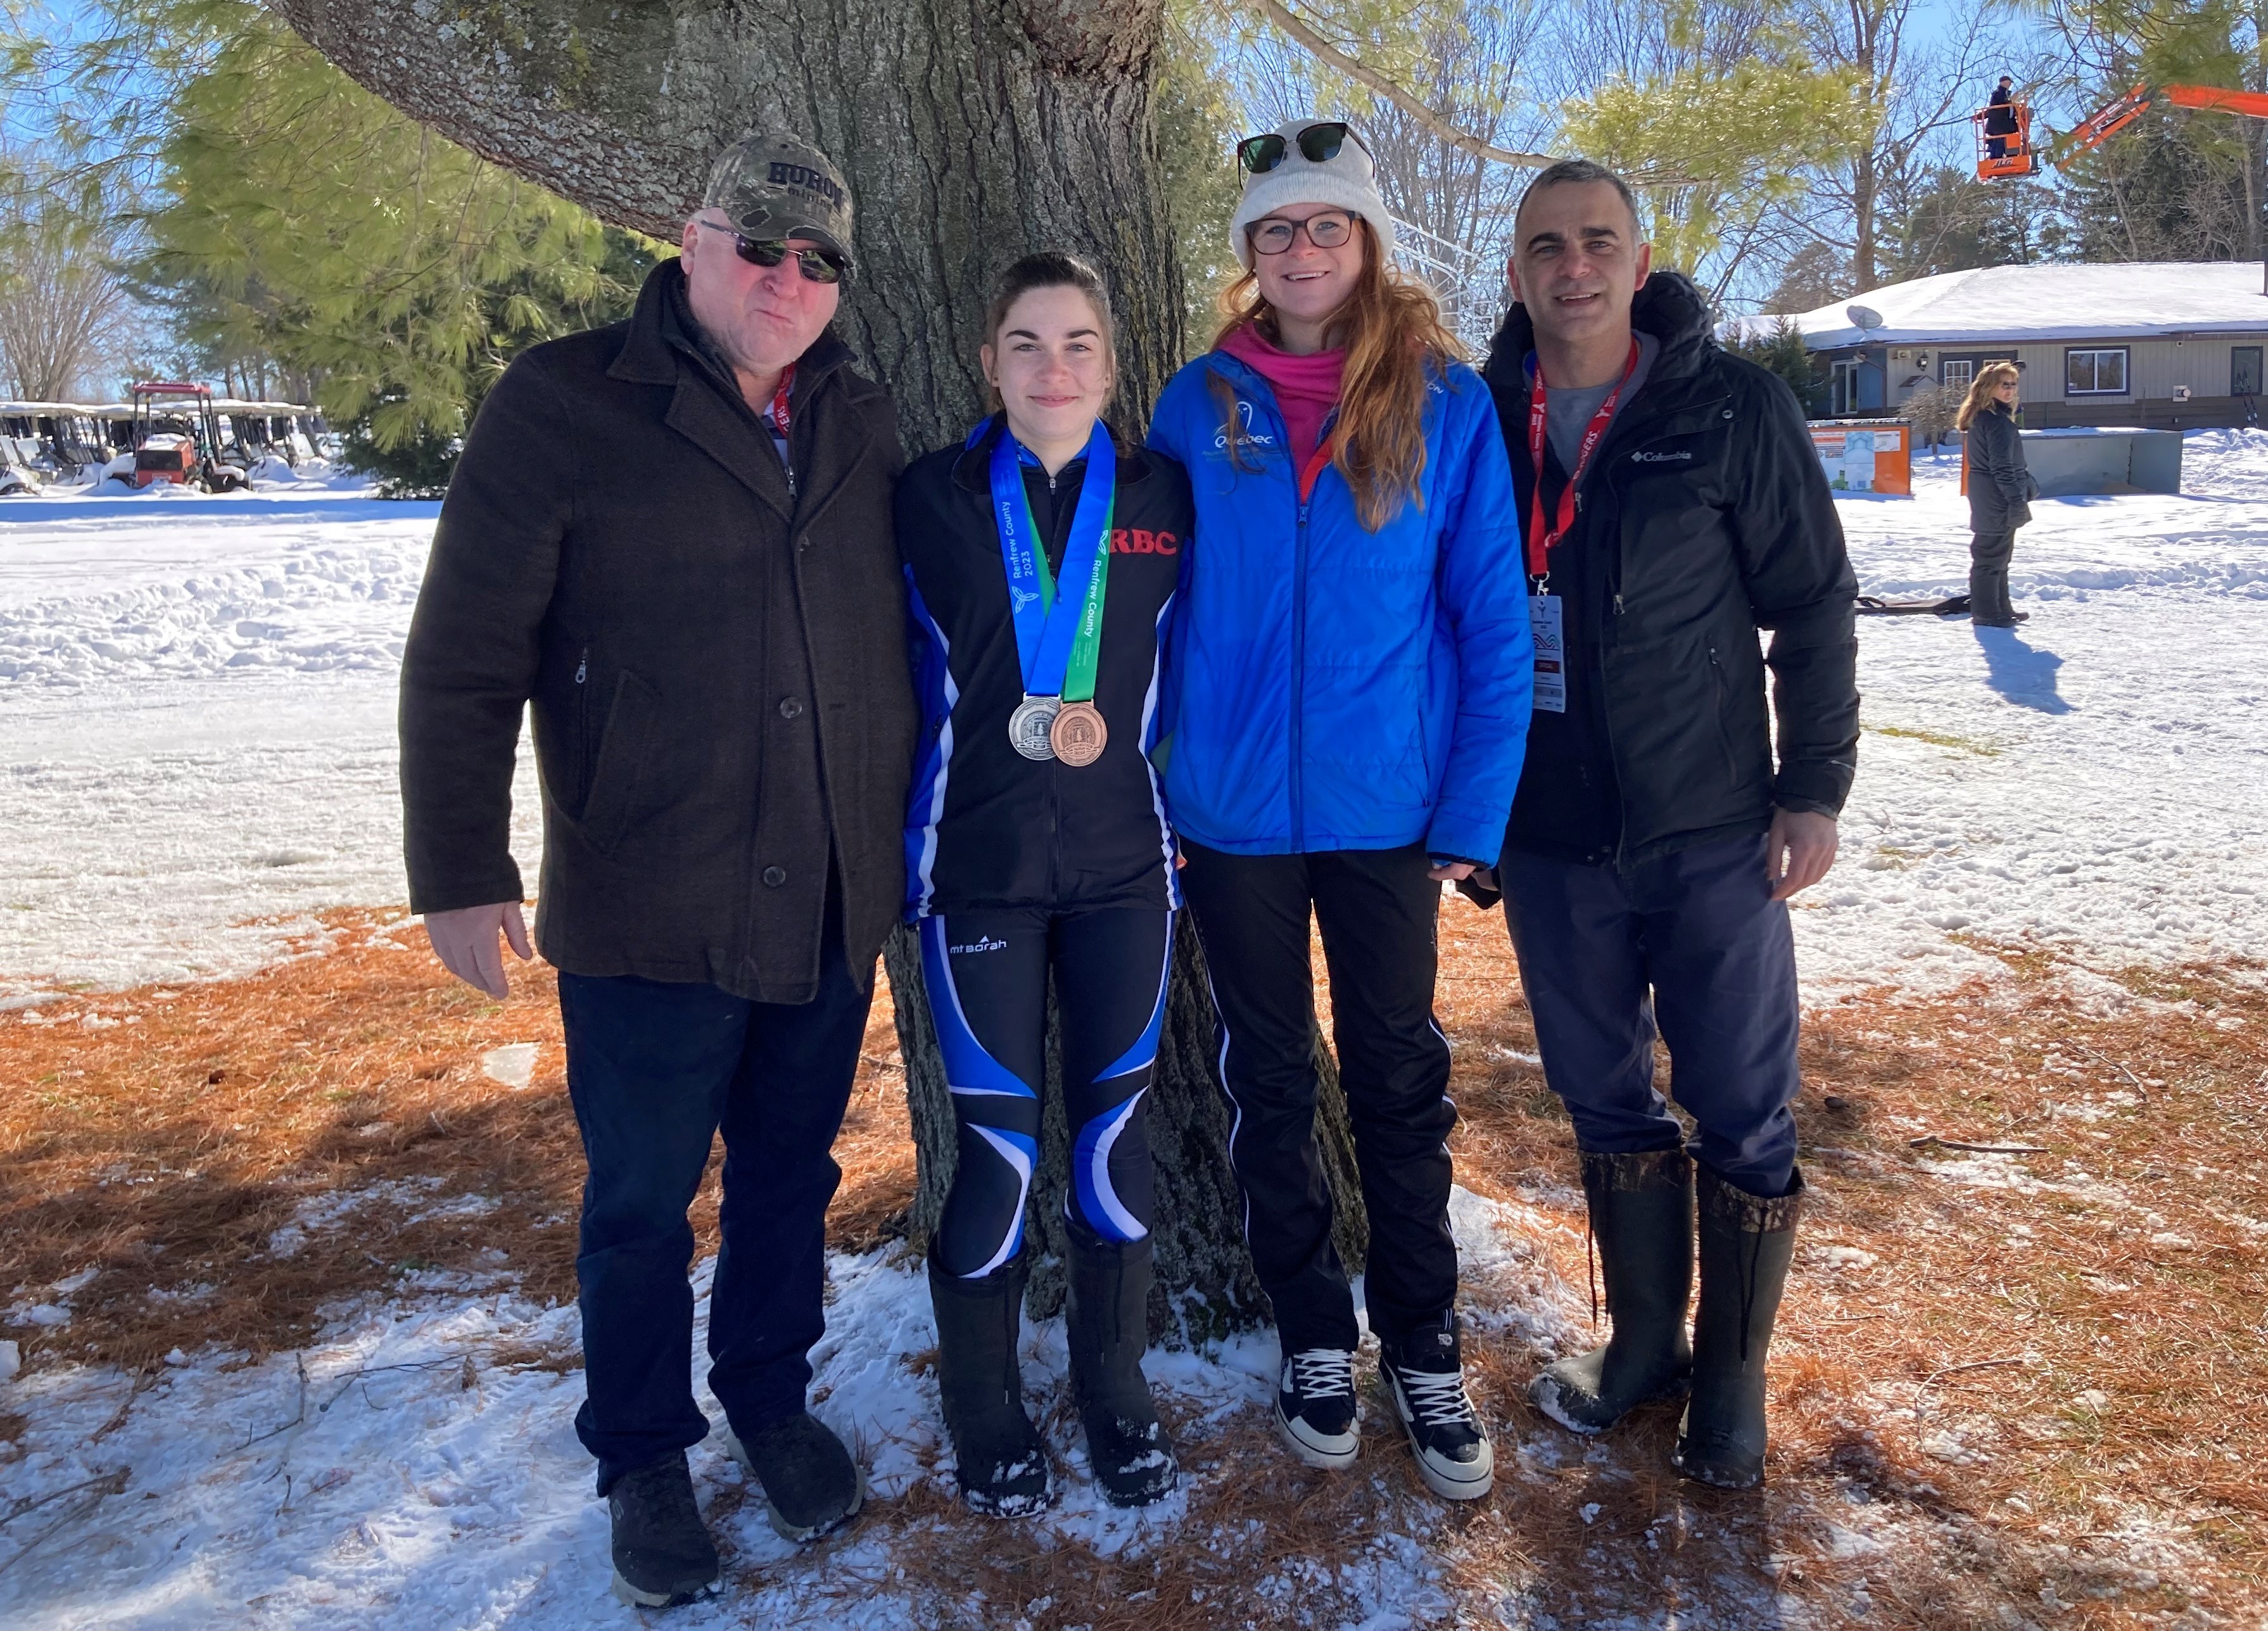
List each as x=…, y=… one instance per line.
x=1544, y=607
x=1058, y=626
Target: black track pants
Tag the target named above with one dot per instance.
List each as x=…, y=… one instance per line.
x=1377, y=911
x=987, y=977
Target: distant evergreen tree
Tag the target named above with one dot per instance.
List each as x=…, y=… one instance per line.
x=1781, y=350
x=1954, y=222
x=2170, y=186
x=299, y=219
x=1816, y=275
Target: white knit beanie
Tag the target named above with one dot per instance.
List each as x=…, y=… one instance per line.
x=1348, y=180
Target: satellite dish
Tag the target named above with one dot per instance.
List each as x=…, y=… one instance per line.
x=1864, y=317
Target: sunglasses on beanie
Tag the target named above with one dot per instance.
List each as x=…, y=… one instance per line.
x=1318, y=143
x=817, y=266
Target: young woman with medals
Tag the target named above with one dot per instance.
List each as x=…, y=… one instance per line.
x=1352, y=661
x=1043, y=558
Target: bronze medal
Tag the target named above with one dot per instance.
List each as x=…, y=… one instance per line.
x=1029, y=726
x=1079, y=734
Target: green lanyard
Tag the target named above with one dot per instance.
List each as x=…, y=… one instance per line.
x=1087, y=638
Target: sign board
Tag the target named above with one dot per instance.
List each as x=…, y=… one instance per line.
x=1874, y=456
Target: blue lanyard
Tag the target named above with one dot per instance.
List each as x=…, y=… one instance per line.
x=1046, y=614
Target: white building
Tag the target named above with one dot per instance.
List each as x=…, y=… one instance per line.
x=2168, y=344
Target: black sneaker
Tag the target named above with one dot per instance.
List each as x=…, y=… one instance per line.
x=811, y=1485
x=1315, y=1409
x=1424, y=1376
x=663, y=1555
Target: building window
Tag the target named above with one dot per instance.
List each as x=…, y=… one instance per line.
x=2244, y=370
x=1959, y=373
x=1844, y=400
x=2094, y=372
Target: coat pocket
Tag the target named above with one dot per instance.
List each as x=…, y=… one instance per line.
x=621, y=770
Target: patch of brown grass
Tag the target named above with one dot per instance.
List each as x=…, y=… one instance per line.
x=164, y=1144
x=2102, y=1478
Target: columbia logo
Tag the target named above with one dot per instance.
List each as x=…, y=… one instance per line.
x=1658, y=457
x=983, y=942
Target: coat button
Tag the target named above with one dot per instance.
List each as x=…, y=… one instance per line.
x=790, y=708
x=774, y=875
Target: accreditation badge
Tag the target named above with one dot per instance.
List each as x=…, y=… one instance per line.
x=1543, y=621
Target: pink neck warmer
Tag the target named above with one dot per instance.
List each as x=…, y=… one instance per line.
x=1306, y=388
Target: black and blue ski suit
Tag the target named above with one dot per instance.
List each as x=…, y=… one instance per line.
x=1018, y=868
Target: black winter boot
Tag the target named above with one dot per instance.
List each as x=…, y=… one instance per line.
x=1003, y=1464
x=1108, y=1322
x=662, y=1552
x=1642, y=1217
x=812, y=1486
x=1747, y=1243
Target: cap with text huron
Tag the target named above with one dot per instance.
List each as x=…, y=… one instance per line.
x=775, y=186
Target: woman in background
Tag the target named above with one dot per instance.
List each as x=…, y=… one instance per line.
x=2000, y=491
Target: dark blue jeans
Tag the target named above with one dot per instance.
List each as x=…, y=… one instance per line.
x=1694, y=943
x=656, y=1071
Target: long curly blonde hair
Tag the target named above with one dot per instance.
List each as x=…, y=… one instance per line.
x=1988, y=380
x=1392, y=329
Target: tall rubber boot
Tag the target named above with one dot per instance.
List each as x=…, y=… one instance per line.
x=1108, y=1322
x=1642, y=1218
x=1002, y=1463
x=1747, y=1243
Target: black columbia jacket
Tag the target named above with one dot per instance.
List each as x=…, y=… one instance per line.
x=986, y=827
x=1704, y=519
x=714, y=659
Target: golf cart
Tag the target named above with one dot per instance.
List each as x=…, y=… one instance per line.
x=177, y=438
x=19, y=477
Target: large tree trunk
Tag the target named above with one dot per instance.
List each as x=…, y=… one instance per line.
x=971, y=133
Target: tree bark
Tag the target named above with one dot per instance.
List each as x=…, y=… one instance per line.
x=971, y=133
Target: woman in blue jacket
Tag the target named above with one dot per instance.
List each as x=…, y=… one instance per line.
x=1350, y=668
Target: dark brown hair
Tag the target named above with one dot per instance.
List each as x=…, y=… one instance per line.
x=1582, y=173
x=1392, y=329
x=1052, y=269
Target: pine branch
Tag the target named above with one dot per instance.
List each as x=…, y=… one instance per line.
x=1354, y=68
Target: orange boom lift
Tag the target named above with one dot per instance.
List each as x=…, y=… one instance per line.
x=2019, y=156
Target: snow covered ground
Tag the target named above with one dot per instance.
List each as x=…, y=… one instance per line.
x=196, y=737
x=2093, y=780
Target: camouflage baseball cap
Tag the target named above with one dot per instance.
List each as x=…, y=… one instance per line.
x=774, y=186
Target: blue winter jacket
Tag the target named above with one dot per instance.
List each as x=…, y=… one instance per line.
x=1332, y=687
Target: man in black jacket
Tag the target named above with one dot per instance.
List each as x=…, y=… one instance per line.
x=673, y=536
x=1672, y=507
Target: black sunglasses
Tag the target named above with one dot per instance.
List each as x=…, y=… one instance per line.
x=1319, y=144
x=818, y=266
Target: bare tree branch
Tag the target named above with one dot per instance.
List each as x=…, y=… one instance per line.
x=1354, y=68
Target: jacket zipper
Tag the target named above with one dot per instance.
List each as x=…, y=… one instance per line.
x=583, y=729
x=1299, y=627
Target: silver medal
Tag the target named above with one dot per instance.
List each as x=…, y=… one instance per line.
x=1029, y=726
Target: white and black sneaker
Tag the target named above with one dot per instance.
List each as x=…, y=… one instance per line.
x=1316, y=1407
x=1424, y=1376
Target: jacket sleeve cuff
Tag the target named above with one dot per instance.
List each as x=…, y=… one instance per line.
x=427, y=896
x=1805, y=796
x=1466, y=832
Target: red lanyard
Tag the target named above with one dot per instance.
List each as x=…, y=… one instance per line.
x=779, y=400
x=1539, y=541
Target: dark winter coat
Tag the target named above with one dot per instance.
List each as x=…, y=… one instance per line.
x=716, y=660
x=2000, y=117
x=1705, y=518
x=2000, y=487
x=986, y=827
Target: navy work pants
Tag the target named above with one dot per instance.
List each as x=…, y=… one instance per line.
x=1692, y=942
x=656, y=1071
x=1376, y=910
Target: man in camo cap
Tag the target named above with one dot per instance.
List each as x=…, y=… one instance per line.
x=714, y=650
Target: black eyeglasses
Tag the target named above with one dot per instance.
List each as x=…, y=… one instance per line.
x=818, y=266
x=1319, y=144
x=1326, y=231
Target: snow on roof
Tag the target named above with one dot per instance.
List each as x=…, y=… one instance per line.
x=2129, y=300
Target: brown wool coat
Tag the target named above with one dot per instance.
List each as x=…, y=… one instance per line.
x=717, y=665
